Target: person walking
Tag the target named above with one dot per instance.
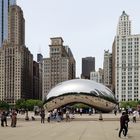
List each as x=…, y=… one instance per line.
x=49, y=116
x=81, y=111
x=13, y=119
x=115, y=111
x=134, y=116
x=3, y=119
x=42, y=114
x=123, y=124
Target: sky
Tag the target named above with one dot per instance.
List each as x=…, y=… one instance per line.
x=88, y=27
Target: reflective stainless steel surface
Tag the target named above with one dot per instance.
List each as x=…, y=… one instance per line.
x=77, y=86
x=90, y=92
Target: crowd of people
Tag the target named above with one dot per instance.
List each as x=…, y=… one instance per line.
x=13, y=117
x=125, y=118
x=68, y=114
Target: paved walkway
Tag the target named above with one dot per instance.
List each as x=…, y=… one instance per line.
x=83, y=117
x=74, y=130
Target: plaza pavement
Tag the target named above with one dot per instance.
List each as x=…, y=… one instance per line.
x=73, y=130
x=83, y=117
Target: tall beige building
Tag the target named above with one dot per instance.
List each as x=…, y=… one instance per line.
x=59, y=67
x=16, y=26
x=127, y=61
x=16, y=61
x=97, y=76
x=107, y=69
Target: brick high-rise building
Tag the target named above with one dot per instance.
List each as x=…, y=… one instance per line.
x=35, y=80
x=40, y=62
x=107, y=69
x=60, y=66
x=16, y=61
x=16, y=26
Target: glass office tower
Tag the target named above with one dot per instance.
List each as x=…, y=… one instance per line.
x=4, y=8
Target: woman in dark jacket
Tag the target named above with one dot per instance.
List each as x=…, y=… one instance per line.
x=124, y=119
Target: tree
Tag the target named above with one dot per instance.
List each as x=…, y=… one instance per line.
x=138, y=102
x=80, y=105
x=4, y=105
x=126, y=104
x=31, y=103
x=28, y=104
x=21, y=103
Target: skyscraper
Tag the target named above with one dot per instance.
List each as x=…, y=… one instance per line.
x=16, y=26
x=39, y=57
x=4, y=9
x=124, y=25
x=40, y=62
x=16, y=61
x=35, y=80
x=59, y=67
x=113, y=66
x=127, y=61
x=88, y=65
x=107, y=69
x=11, y=2
x=97, y=76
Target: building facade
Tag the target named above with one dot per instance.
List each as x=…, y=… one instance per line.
x=107, y=69
x=16, y=26
x=40, y=62
x=127, y=61
x=39, y=57
x=59, y=67
x=35, y=80
x=4, y=9
x=88, y=65
x=16, y=62
x=15, y=73
x=37, y=77
x=113, y=67
x=97, y=76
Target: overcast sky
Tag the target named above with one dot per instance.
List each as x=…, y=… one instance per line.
x=88, y=27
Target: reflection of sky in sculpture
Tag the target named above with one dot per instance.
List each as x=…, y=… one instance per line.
x=78, y=86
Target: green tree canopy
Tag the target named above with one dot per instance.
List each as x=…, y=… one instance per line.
x=4, y=105
x=80, y=105
x=31, y=103
x=21, y=103
x=28, y=104
x=126, y=104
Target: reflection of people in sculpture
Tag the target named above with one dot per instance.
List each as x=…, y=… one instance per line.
x=106, y=104
x=115, y=111
x=81, y=111
x=90, y=111
x=67, y=115
x=49, y=116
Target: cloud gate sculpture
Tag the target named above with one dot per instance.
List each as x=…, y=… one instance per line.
x=81, y=91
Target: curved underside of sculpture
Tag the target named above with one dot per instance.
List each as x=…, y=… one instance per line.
x=81, y=91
